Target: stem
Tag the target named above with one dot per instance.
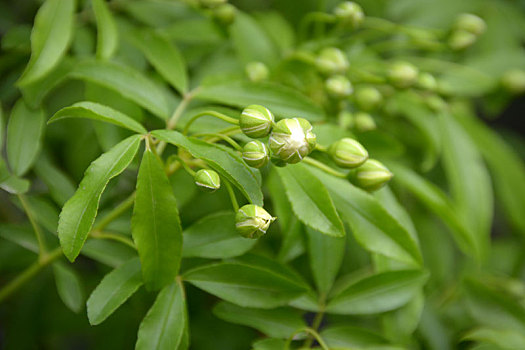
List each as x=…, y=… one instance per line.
x=315, y=326
x=307, y=330
x=211, y=114
x=223, y=137
x=115, y=213
x=113, y=237
x=29, y=273
x=324, y=167
x=232, y=196
x=38, y=233
x=312, y=17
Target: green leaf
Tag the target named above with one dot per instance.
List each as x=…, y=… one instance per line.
x=23, y=236
x=249, y=282
x=79, y=212
x=310, y=200
x=24, y=137
x=107, y=33
x=165, y=324
x=95, y=111
x=59, y=185
x=221, y=159
x=269, y=344
x=281, y=100
x=110, y=253
x=12, y=183
x=69, y=286
x=127, y=81
x=349, y=336
x=215, y=237
x=373, y=227
x=114, y=289
x=194, y=31
x=164, y=57
x=156, y=225
x=2, y=125
x=50, y=38
x=504, y=338
x=378, y=293
x=251, y=42
x=276, y=323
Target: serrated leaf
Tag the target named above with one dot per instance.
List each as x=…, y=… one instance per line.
x=107, y=33
x=221, y=159
x=155, y=224
x=24, y=136
x=378, y=293
x=79, y=212
x=96, y=111
x=283, y=101
x=215, y=237
x=69, y=286
x=164, y=57
x=164, y=326
x=128, y=82
x=114, y=289
x=373, y=227
x=310, y=200
x=50, y=38
x=258, y=283
x=276, y=323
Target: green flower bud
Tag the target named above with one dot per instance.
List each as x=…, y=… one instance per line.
x=350, y=12
x=207, y=180
x=255, y=154
x=348, y=153
x=371, y=176
x=212, y=3
x=436, y=103
x=339, y=86
x=427, y=81
x=514, y=81
x=225, y=13
x=331, y=60
x=364, y=122
x=252, y=221
x=292, y=139
x=470, y=23
x=346, y=120
x=461, y=39
x=256, y=121
x=402, y=74
x=368, y=98
x=256, y=71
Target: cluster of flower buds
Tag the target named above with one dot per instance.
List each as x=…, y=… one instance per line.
x=220, y=10
x=466, y=30
x=348, y=12
x=333, y=62
x=252, y=221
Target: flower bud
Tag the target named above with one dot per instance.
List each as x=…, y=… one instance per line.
x=350, y=12
x=252, y=221
x=364, y=122
x=255, y=154
x=514, y=81
x=339, y=86
x=470, y=23
x=371, y=176
x=368, y=98
x=292, y=139
x=256, y=71
x=212, y=3
x=225, y=13
x=331, y=60
x=207, y=180
x=461, y=39
x=346, y=120
x=402, y=74
x=256, y=121
x=436, y=103
x=426, y=81
x=348, y=153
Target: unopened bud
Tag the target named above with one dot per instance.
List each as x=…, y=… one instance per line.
x=348, y=153
x=292, y=139
x=252, y=221
x=471, y=23
x=461, y=39
x=256, y=121
x=225, y=13
x=346, y=119
x=364, y=122
x=255, y=154
x=368, y=98
x=426, y=81
x=339, y=86
x=403, y=74
x=436, y=103
x=257, y=71
x=514, y=81
x=207, y=180
x=371, y=176
x=331, y=60
x=350, y=12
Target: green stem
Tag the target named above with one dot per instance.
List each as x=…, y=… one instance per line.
x=312, y=17
x=29, y=273
x=115, y=213
x=211, y=114
x=307, y=330
x=113, y=237
x=232, y=196
x=315, y=326
x=38, y=233
x=226, y=138
x=324, y=167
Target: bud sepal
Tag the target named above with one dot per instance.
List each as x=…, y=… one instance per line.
x=256, y=154
x=256, y=121
x=348, y=153
x=252, y=221
x=207, y=180
x=371, y=176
